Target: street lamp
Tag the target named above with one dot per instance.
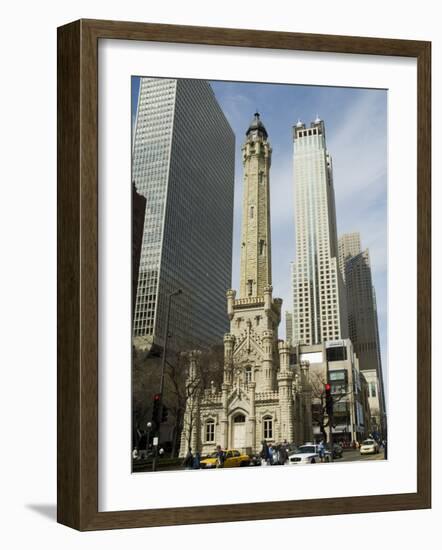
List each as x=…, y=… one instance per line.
x=176, y=292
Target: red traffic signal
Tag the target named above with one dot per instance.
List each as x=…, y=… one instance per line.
x=328, y=400
x=157, y=397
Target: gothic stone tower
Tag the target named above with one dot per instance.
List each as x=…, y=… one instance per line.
x=256, y=272
x=258, y=397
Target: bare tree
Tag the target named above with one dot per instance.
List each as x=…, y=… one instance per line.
x=146, y=373
x=319, y=408
x=210, y=370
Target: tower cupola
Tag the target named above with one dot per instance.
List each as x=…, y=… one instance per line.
x=257, y=127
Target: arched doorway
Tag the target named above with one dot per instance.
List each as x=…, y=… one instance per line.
x=239, y=431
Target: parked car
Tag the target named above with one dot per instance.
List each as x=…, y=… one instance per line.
x=305, y=454
x=232, y=458
x=369, y=446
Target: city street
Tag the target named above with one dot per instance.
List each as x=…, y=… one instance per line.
x=168, y=464
x=354, y=454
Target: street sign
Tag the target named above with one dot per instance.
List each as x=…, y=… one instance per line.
x=155, y=441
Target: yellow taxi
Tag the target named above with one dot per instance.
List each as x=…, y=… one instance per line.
x=232, y=458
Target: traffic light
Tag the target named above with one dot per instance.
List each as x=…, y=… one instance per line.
x=328, y=400
x=164, y=414
x=156, y=409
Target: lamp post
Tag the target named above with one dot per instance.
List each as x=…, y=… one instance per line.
x=163, y=369
x=149, y=427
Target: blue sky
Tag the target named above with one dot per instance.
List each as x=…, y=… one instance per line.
x=356, y=132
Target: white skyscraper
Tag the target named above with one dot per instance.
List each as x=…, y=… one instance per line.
x=319, y=302
x=183, y=164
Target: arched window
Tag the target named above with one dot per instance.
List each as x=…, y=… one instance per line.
x=239, y=418
x=268, y=427
x=248, y=375
x=210, y=431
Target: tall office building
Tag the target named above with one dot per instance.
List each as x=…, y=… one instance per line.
x=319, y=301
x=349, y=245
x=183, y=163
x=362, y=318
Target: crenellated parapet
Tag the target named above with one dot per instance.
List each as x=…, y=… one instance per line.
x=267, y=396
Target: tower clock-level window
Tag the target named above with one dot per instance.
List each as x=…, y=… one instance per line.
x=268, y=427
x=210, y=431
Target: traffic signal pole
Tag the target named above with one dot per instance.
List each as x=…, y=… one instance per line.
x=329, y=408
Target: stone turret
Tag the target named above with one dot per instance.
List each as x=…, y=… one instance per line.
x=285, y=389
x=306, y=392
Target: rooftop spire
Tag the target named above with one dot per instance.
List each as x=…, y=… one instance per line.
x=257, y=124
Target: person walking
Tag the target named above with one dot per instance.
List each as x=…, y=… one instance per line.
x=264, y=453
x=283, y=453
x=321, y=450
x=188, y=460
x=271, y=453
x=196, y=461
x=220, y=456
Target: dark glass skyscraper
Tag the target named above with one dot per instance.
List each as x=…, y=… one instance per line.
x=183, y=163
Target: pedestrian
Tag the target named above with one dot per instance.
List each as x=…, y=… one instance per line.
x=196, y=461
x=276, y=454
x=271, y=453
x=264, y=453
x=220, y=456
x=321, y=450
x=283, y=453
x=188, y=460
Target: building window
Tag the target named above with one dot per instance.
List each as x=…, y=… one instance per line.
x=249, y=287
x=338, y=353
x=248, y=375
x=338, y=376
x=251, y=211
x=261, y=247
x=373, y=389
x=210, y=431
x=239, y=419
x=268, y=427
